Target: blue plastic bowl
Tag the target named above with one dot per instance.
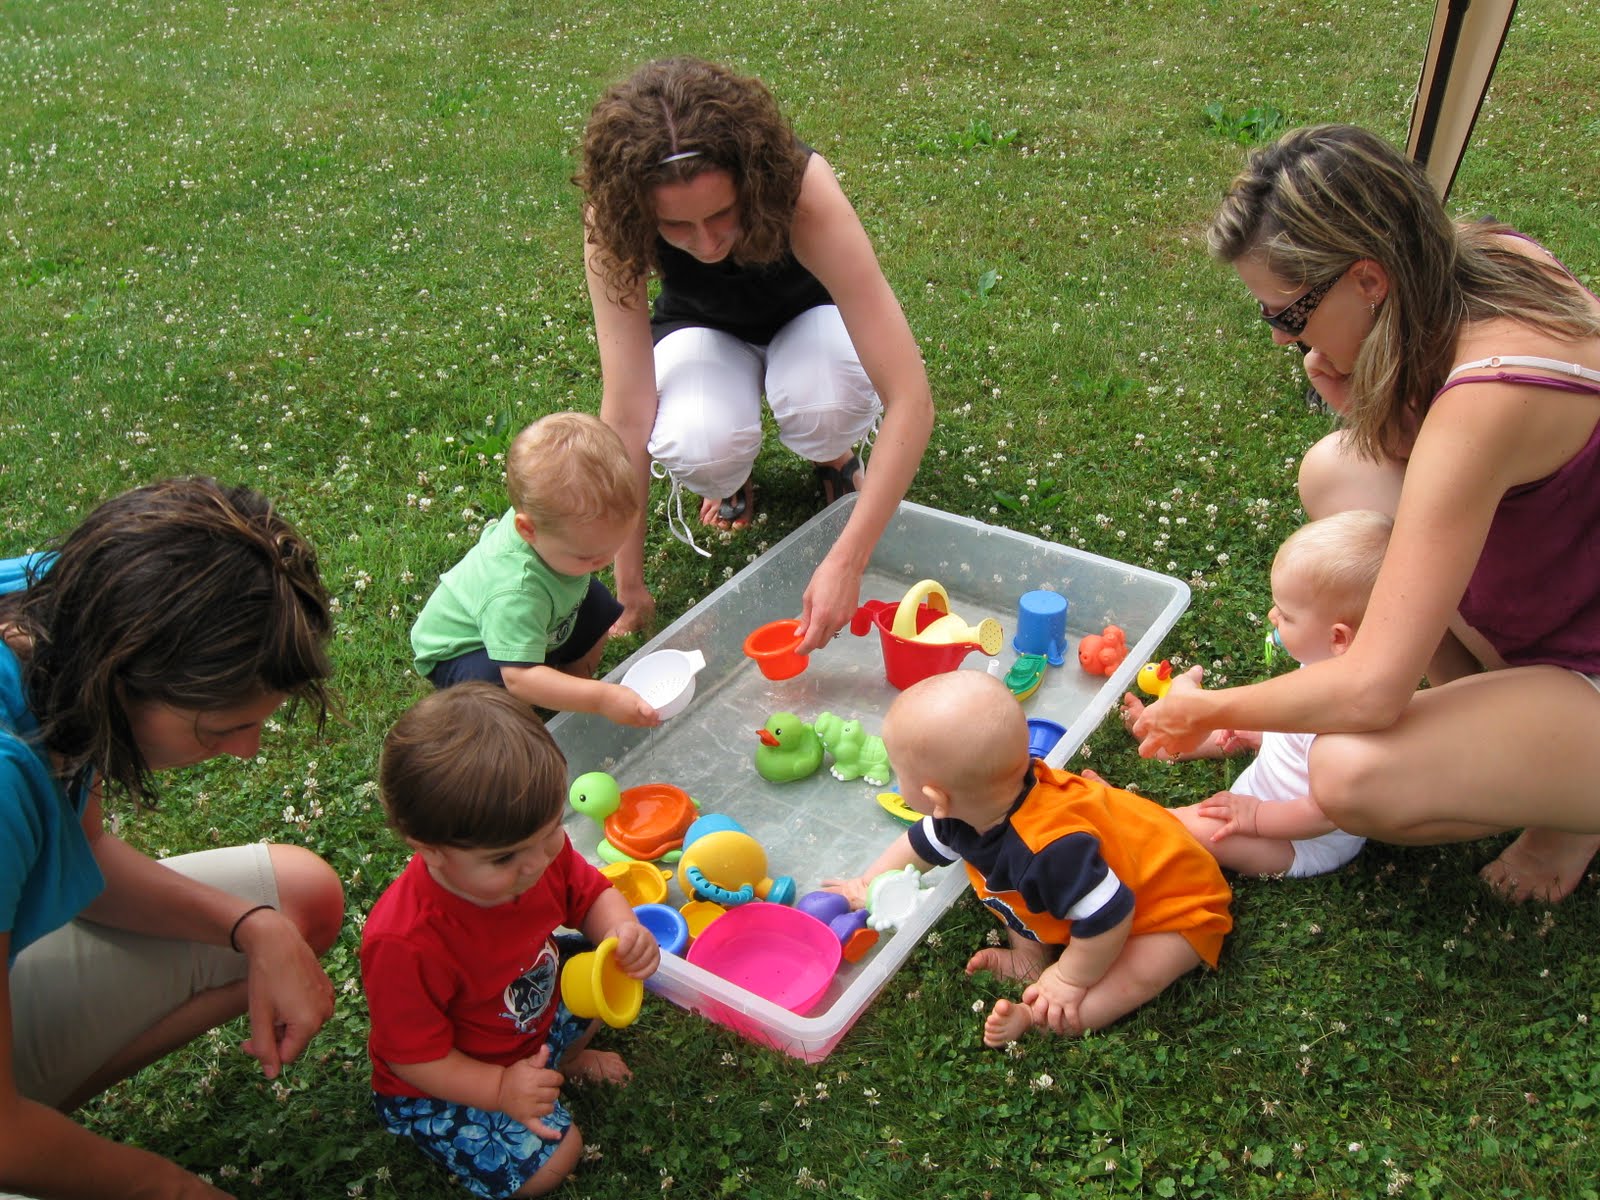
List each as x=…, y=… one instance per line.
x=666, y=925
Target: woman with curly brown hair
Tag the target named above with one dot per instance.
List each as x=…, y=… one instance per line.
x=769, y=285
x=1466, y=362
x=166, y=630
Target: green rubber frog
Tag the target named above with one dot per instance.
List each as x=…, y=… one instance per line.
x=857, y=754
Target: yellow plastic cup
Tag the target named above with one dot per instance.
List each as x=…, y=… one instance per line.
x=699, y=914
x=594, y=986
x=639, y=882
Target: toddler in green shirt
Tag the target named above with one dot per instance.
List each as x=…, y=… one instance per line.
x=523, y=608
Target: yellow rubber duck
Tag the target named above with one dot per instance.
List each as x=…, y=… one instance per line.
x=1155, y=678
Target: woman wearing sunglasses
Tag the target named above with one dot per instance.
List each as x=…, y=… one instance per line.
x=1471, y=356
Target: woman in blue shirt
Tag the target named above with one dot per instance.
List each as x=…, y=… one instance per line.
x=165, y=631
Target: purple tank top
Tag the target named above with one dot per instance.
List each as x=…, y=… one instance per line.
x=1535, y=593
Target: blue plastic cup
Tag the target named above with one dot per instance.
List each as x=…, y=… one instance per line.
x=1043, y=736
x=667, y=925
x=1042, y=626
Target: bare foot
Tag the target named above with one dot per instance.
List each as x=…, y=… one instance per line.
x=1542, y=864
x=635, y=619
x=1013, y=962
x=1006, y=1022
x=596, y=1066
x=1131, y=710
x=733, y=513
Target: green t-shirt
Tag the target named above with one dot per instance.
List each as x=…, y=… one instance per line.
x=501, y=598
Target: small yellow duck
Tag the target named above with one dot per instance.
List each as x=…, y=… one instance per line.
x=789, y=749
x=1155, y=678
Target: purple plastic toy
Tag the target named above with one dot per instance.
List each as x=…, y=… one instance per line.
x=834, y=911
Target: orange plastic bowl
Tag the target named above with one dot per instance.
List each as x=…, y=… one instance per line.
x=656, y=817
x=772, y=646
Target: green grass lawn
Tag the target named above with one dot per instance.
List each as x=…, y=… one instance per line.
x=330, y=248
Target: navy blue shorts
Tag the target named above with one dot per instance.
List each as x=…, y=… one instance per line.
x=596, y=615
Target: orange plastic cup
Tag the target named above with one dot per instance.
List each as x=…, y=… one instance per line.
x=772, y=646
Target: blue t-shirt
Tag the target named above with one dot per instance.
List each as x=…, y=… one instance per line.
x=47, y=871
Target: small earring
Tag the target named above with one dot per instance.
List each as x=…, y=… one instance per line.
x=1372, y=307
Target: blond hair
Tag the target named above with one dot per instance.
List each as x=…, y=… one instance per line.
x=471, y=766
x=1319, y=199
x=965, y=729
x=571, y=467
x=1338, y=558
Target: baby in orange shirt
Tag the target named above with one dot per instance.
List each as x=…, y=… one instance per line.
x=1105, y=896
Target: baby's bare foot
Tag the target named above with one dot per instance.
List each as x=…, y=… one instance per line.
x=596, y=1066
x=1006, y=1022
x=1131, y=710
x=1542, y=864
x=1013, y=962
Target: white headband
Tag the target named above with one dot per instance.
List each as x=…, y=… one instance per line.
x=678, y=157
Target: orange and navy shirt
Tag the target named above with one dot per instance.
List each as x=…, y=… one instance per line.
x=1078, y=856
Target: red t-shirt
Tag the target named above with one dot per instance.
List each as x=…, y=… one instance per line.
x=442, y=973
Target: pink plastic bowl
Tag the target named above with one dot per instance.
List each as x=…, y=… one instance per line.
x=780, y=953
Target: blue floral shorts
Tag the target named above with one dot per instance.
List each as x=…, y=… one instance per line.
x=491, y=1153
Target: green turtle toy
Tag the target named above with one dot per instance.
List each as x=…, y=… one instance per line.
x=640, y=824
x=857, y=754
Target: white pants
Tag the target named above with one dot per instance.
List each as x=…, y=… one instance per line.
x=708, y=415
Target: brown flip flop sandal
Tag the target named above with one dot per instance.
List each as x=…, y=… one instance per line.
x=837, y=481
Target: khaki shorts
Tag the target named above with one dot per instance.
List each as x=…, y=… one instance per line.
x=82, y=993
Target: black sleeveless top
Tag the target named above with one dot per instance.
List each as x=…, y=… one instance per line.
x=752, y=302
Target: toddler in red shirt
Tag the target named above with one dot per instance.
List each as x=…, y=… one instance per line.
x=470, y=1041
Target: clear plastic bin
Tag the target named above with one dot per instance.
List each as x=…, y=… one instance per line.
x=821, y=827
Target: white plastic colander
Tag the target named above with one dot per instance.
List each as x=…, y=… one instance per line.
x=665, y=679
